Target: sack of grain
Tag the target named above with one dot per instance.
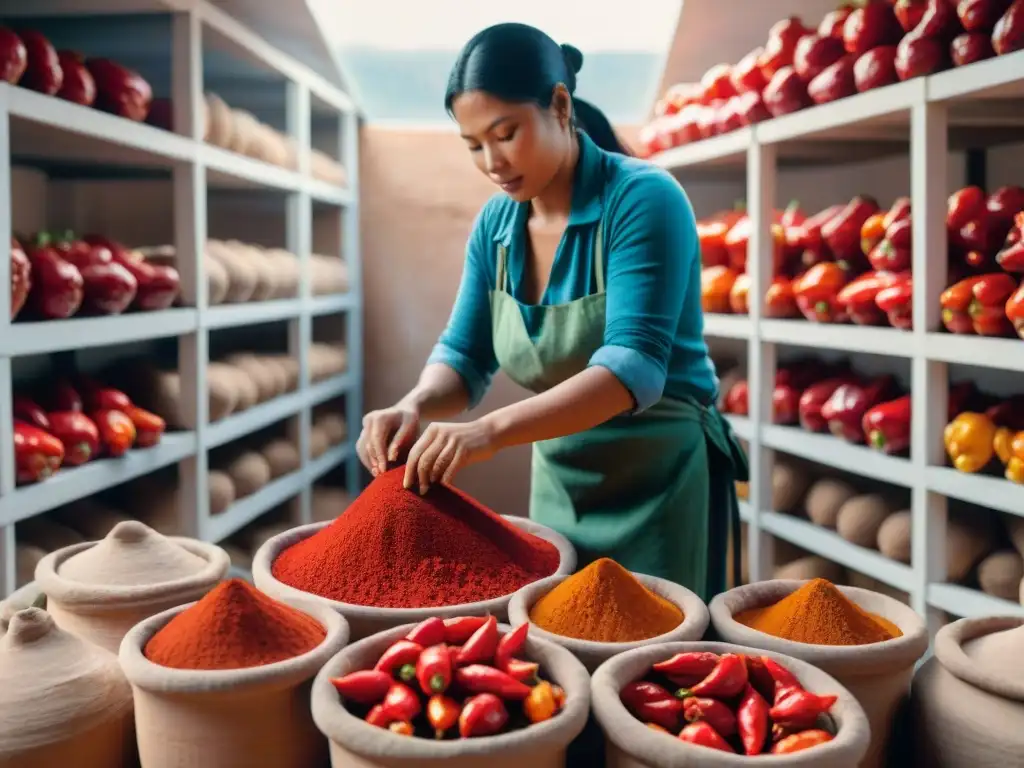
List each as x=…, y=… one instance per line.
x=365, y=620
x=877, y=674
x=257, y=717
x=101, y=589
x=968, y=699
x=631, y=744
x=63, y=701
x=594, y=654
x=356, y=744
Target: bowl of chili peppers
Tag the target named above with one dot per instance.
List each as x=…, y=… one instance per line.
x=455, y=690
x=716, y=704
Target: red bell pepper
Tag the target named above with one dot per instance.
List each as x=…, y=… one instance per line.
x=737, y=399
x=78, y=433
x=1011, y=256
x=845, y=410
x=842, y=232
x=482, y=715
x=858, y=297
x=149, y=427
x=1006, y=202
x=894, y=253
x=785, y=404
x=955, y=302
x=28, y=410
x=817, y=293
x=703, y=735
x=988, y=304
x=896, y=301
x=57, y=286
x=37, y=454
x=814, y=398
x=738, y=238
x=98, y=398
x=117, y=432
x=21, y=276
x=1015, y=310
x=810, y=232
x=62, y=396
x=779, y=301
x=887, y=426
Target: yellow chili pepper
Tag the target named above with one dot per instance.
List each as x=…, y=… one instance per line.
x=1009, y=447
x=542, y=703
x=969, y=441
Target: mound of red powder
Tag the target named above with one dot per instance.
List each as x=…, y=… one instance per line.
x=393, y=548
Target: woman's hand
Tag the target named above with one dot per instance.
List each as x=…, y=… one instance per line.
x=445, y=448
x=386, y=433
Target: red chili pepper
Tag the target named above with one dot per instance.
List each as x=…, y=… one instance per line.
x=511, y=645
x=401, y=728
x=668, y=713
x=379, y=716
x=523, y=671
x=434, y=669
x=752, y=719
x=367, y=686
x=105, y=399
x=37, y=454
x=800, y=709
x=480, y=678
x=459, y=630
x=887, y=425
x=703, y=735
x=401, y=702
x=737, y=399
x=643, y=692
x=988, y=306
x=117, y=433
x=427, y=633
x=725, y=680
x=814, y=398
x=149, y=427
x=714, y=712
x=400, y=656
x=78, y=433
x=481, y=646
x=785, y=681
x=482, y=715
x=442, y=714
x=1011, y=255
x=759, y=677
x=29, y=411
x=801, y=741
x=894, y=253
x=698, y=663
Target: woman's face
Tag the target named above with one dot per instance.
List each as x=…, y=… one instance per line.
x=520, y=147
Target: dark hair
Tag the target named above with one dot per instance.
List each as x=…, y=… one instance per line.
x=519, y=63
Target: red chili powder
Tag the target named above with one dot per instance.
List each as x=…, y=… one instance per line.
x=234, y=626
x=396, y=549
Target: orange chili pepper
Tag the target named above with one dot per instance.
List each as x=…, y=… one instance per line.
x=401, y=728
x=541, y=704
x=798, y=742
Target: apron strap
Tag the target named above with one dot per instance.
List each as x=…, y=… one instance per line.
x=501, y=269
x=599, y=257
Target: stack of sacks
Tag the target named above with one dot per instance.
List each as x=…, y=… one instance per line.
x=326, y=360
x=239, y=131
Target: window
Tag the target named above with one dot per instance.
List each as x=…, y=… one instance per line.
x=399, y=52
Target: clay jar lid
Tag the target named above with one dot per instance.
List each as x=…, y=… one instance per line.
x=985, y=653
x=53, y=685
x=132, y=564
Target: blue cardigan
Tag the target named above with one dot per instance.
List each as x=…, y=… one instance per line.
x=654, y=327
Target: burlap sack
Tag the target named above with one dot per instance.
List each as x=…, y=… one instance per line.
x=355, y=744
x=244, y=718
x=101, y=589
x=631, y=744
x=967, y=714
x=63, y=701
x=365, y=620
x=593, y=655
x=878, y=675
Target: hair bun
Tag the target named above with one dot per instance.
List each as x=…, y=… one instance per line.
x=573, y=57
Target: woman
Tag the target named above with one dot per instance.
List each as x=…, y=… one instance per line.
x=582, y=284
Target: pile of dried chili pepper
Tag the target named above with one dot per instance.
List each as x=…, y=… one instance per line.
x=746, y=705
x=453, y=678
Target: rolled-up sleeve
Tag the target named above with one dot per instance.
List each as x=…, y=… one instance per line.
x=651, y=243
x=466, y=345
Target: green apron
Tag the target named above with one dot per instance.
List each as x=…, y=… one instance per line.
x=655, y=491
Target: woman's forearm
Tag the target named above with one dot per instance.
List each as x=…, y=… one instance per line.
x=439, y=394
x=591, y=397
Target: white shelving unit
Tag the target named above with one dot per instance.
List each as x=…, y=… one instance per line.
x=920, y=114
x=68, y=132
